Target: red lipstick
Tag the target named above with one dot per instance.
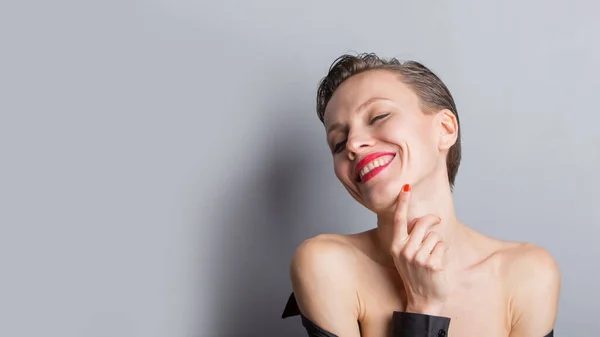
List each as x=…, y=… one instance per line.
x=366, y=160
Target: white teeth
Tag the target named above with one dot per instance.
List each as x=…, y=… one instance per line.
x=363, y=172
x=375, y=163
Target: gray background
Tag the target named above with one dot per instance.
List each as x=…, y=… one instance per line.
x=160, y=160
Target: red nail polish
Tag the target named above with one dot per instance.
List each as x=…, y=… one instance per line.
x=407, y=188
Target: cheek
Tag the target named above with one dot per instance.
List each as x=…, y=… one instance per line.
x=418, y=134
x=424, y=145
x=342, y=169
x=398, y=131
x=414, y=136
x=428, y=138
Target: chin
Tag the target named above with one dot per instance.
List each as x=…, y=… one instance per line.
x=383, y=197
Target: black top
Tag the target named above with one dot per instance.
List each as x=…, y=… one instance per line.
x=404, y=324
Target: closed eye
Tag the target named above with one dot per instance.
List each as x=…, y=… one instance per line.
x=378, y=117
x=338, y=147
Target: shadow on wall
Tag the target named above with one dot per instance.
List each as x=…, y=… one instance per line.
x=251, y=264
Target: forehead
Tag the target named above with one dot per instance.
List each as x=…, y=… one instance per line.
x=360, y=88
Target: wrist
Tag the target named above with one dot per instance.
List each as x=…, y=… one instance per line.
x=425, y=309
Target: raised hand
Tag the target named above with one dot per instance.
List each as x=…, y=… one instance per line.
x=419, y=257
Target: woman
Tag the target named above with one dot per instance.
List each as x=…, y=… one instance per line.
x=393, y=131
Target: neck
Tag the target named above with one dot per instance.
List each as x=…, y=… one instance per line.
x=425, y=199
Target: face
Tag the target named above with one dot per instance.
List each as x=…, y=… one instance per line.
x=381, y=139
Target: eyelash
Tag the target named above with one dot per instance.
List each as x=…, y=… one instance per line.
x=378, y=117
x=336, y=147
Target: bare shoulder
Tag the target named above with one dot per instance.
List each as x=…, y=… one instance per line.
x=533, y=279
x=528, y=264
x=323, y=272
x=321, y=257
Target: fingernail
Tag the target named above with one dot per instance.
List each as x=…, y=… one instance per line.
x=407, y=188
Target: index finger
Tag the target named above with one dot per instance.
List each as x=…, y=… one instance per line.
x=401, y=214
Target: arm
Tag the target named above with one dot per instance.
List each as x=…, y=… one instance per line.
x=323, y=279
x=323, y=275
x=536, y=280
x=404, y=324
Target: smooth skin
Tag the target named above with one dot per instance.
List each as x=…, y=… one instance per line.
x=419, y=258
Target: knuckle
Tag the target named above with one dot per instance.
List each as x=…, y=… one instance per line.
x=395, y=249
x=441, y=245
x=435, y=236
x=421, y=259
x=431, y=219
x=407, y=254
x=420, y=223
x=434, y=217
x=434, y=266
x=419, y=227
x=398, y=247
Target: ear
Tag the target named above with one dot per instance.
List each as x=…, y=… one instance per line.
x=448, y=128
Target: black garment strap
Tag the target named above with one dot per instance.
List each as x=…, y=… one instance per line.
x=315, y=330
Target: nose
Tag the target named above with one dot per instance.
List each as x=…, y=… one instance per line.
x=357, y=143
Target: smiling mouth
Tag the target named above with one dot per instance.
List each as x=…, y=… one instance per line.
x=371, y=165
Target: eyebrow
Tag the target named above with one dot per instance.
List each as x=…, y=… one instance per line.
x=335, y=126
x=370, y=101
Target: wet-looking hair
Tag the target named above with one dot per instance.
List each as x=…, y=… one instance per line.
x=432, y=92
